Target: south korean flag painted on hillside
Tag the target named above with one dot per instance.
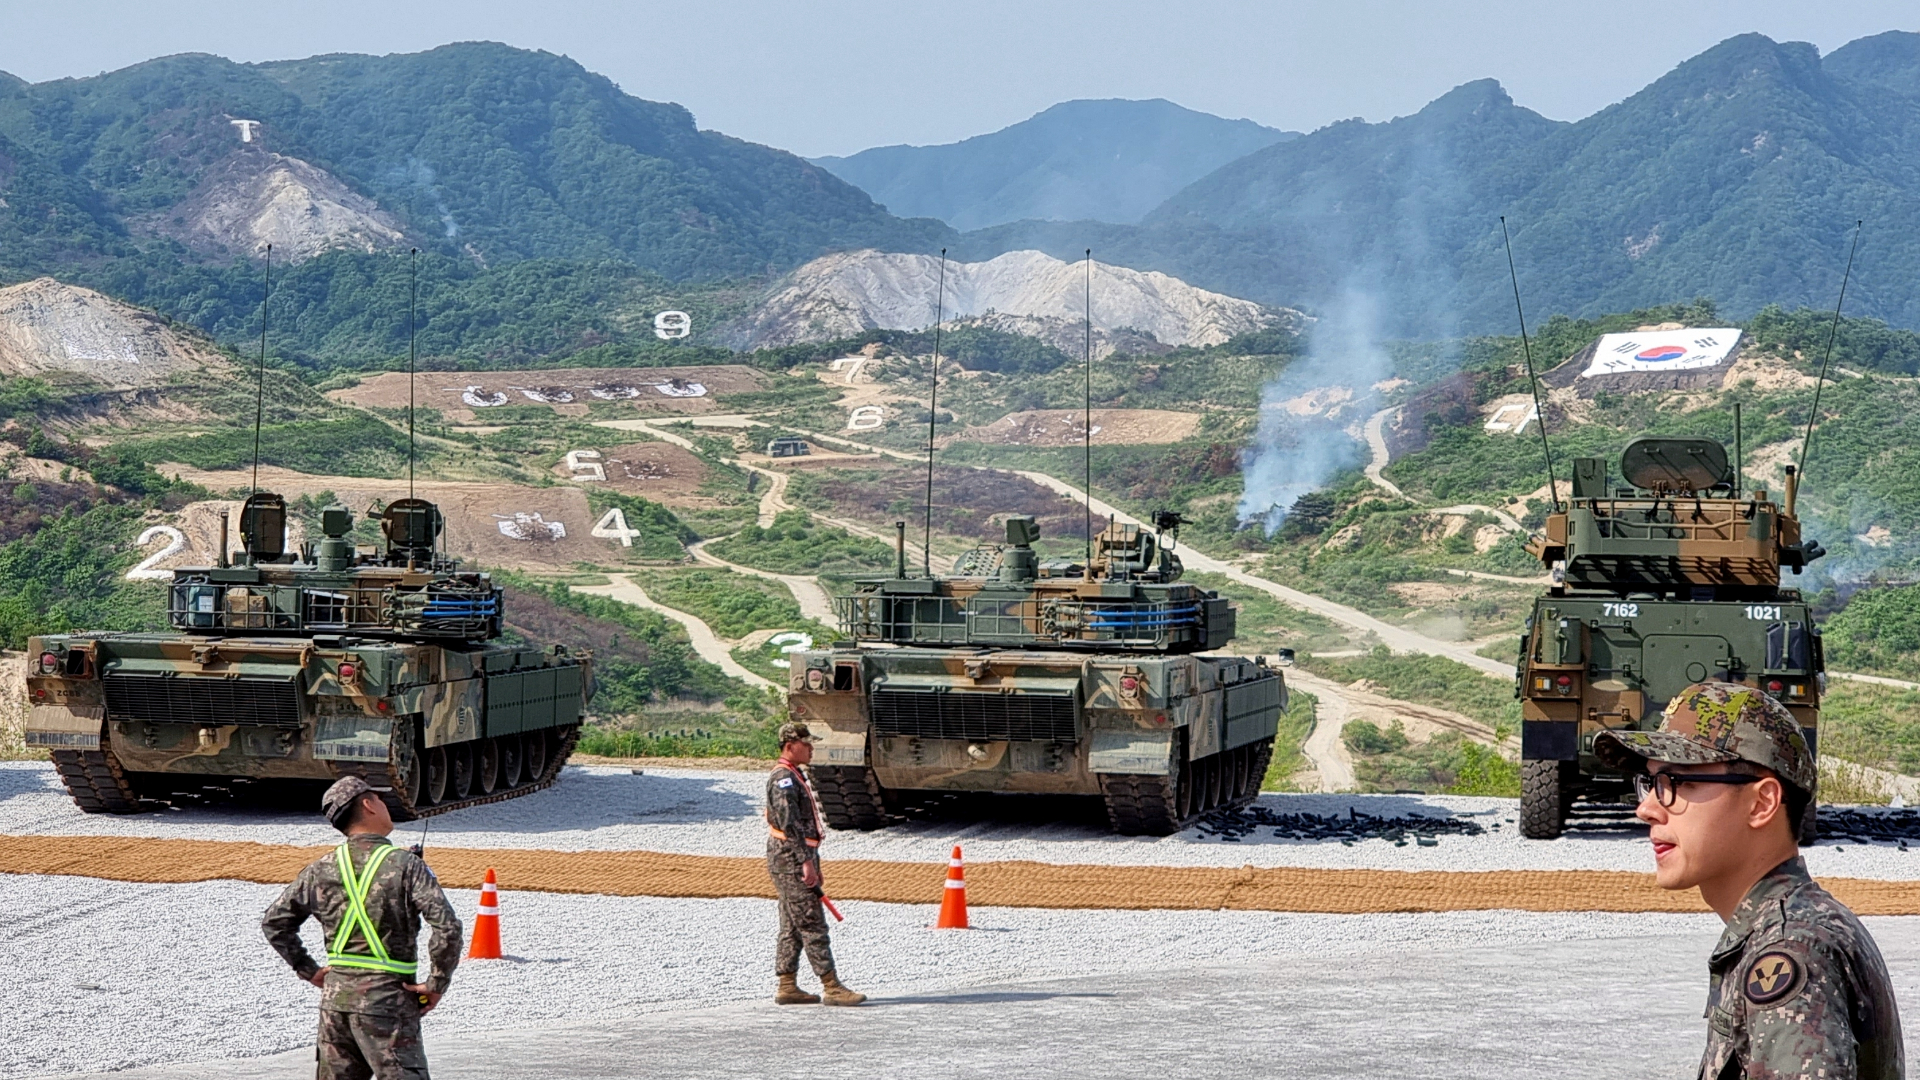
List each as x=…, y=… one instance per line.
x=1660, y=351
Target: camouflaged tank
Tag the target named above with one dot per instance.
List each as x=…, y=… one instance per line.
x=1656, y=585
x=284, y=672
x=1021, y=676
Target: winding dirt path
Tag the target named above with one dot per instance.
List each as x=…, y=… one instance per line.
x=813, y=600
x=706, y=643
x=1331, y=761
x=1377, y=443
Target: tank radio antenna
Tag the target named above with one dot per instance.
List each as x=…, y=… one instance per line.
x=1533, y=383
x=260, y=391
x=1806, y=445
x=933, y=401
x=413, y=298
x=1086, y=429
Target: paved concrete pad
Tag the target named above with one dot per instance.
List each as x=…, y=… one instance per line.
x=1599, y=1009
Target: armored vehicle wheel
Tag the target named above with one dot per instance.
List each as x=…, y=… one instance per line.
x=1546, y=794
x=850, y=797
x=412, y=778
x=460, y=758
x=486, y=760
x=1257, y=763
x=511, y=758
x=534, y=747
x=437, y=770
x=1216, y=780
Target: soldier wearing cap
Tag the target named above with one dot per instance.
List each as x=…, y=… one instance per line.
x=794, y=831
x=369, y=897
x=1796, y=986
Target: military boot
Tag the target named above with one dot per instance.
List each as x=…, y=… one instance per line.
x=791, y=994
x=836, y=992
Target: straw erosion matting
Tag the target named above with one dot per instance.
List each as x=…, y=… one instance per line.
x=1003, y=884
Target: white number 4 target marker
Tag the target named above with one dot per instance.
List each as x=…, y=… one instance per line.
x=613, y=526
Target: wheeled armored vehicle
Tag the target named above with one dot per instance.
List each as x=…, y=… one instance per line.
x=1667, y=581
x=293, y=669
x=1017, y=675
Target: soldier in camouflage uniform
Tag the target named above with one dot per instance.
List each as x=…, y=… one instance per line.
x=369, y=897
x=1796, y=986
x=794, y=830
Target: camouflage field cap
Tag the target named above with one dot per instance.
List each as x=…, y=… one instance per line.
x=1717, y=721
x=342, y=797
x=790, y=733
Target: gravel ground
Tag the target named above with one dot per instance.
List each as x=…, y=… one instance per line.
x=98, y=975
x=714, y=812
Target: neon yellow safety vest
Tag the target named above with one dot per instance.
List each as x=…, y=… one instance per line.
x=357, y=918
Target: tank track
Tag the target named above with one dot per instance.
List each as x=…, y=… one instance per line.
x=97, y=782
x=850, y=797
x=1162, y=806
x=381, y=775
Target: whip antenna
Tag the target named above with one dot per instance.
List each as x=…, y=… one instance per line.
x=260, y=392
x=1533, y=383
x=933, y=400
x=1806, y=445
x=413, y=297
x=1086, y=430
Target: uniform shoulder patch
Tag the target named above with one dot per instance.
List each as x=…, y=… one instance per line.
x=785, y=781
x=1773, y=977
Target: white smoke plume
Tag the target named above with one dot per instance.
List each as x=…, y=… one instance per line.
x=1311, y=412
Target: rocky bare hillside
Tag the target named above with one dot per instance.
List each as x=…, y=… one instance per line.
x=47, y=327
x=256, y=197
x=842, y=295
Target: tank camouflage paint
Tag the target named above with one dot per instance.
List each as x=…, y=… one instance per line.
x=1016, y=676
x=1655, y=586
x=284, y=673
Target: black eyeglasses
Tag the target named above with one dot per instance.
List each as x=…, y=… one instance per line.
x=1664, y=786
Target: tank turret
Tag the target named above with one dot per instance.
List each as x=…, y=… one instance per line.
x=1128, y=599
x=1681, y=528
x=407, y=589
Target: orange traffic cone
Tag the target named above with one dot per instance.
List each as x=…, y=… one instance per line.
x=486, y=925
x=953, y=905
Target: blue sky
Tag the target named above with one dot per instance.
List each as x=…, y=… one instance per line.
x=837, y=76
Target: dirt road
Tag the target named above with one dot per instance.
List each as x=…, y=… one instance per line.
x=1377, y=443
x=705, y=642
x=1332, y=764
x=813, y=600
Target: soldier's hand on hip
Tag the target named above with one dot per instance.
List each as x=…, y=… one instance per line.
x=810, y=874
x=432, y=999
x=319, y=978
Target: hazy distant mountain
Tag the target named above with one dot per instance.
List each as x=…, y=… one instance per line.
x=1738, y=175
x=1110, y=160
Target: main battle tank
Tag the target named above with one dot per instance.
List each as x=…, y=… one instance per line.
x=306, y=667
x=1022, y=676
x=1657, y=585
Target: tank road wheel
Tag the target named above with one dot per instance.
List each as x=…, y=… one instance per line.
x=412, y=778
x=437, y=770
x=487, y=763
x=850, y=797
x=534, y=744
x=511, y=759
x=460, y=757
x=1216, y=779
x=1546, y=794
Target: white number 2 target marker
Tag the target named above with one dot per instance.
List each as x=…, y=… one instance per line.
x=145, y=571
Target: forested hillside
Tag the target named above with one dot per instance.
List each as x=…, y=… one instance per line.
x=1737, y=175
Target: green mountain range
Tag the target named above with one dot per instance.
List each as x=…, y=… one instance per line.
x=1738, y=175
x=1111, y=160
